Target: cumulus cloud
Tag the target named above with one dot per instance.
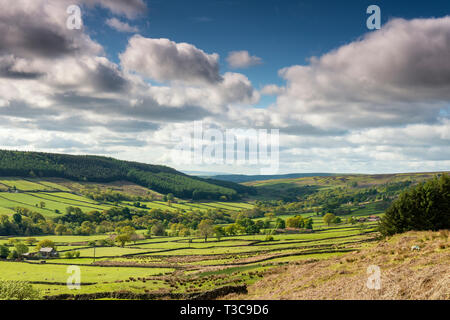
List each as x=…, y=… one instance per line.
x=242, y=59
x=33, y=29
x=395, y=76
x=121, y=26
x=377, y=104
x=164, y=60
x=17, y=68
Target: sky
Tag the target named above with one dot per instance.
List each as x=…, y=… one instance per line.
x=135, y=79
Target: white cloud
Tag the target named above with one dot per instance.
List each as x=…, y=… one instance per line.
x=397, y=75
x=120, y=26
x=242, y=59
x=164, y=60
x=377, y=104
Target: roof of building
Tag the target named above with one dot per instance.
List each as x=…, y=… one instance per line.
x=46, y=249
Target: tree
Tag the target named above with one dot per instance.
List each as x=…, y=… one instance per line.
x=351, y=220
x=205, y=228
x=87, y=228
x=42, y=204
x=308, y=223
x=295, y=222
x=123, y=238
x=60, y=229
x=46, y=243
x=18, y=290
x=158, y=229
x=13, y=255
x=219, y=232
x=280, y=224
x=260, y=224
x=248, y=225
x=329, y=218
x=4, y=252
x=17, y=218
x=230, y=230
x=424, y=207
x=21, y=248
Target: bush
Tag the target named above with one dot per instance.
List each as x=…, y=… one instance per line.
x=4, y=252
x=329, y=218
x=18, y=290
x=425, y=207
x=13, y=255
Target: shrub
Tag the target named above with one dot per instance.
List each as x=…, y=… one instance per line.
x=17, y=290
x=4, y=252
x=20, y=248
x=329, y=218
x=13, y=255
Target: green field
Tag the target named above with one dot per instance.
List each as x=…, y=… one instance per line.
x=152, y=265
x=172, y=264
x=29, y=193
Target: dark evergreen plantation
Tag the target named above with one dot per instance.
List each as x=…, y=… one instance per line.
x=102, y=169
x=424, y=207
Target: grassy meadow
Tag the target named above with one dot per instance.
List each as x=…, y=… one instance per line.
x=170, y=265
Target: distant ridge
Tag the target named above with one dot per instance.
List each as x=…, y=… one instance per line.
x=241, y=178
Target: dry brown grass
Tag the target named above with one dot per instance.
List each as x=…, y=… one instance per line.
x=119, y=186
x=405, y=274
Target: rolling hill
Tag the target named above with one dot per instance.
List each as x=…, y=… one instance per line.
x=241, y=178
x=103, y=169
x=289, y=189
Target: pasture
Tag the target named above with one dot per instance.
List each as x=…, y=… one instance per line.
x=57, y=195
x=170, y=265
x=165, y=265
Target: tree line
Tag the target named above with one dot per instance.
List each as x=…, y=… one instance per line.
x=102, y=169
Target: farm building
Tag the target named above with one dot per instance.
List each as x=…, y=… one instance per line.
x=373, y=218
x=29, y=255
x=48, y=252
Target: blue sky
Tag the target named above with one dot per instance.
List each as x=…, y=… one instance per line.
x=281, y=32
x=136, y=78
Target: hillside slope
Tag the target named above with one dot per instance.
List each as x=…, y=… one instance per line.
x=405, y=274
x=240, y=178
x=102, y=169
